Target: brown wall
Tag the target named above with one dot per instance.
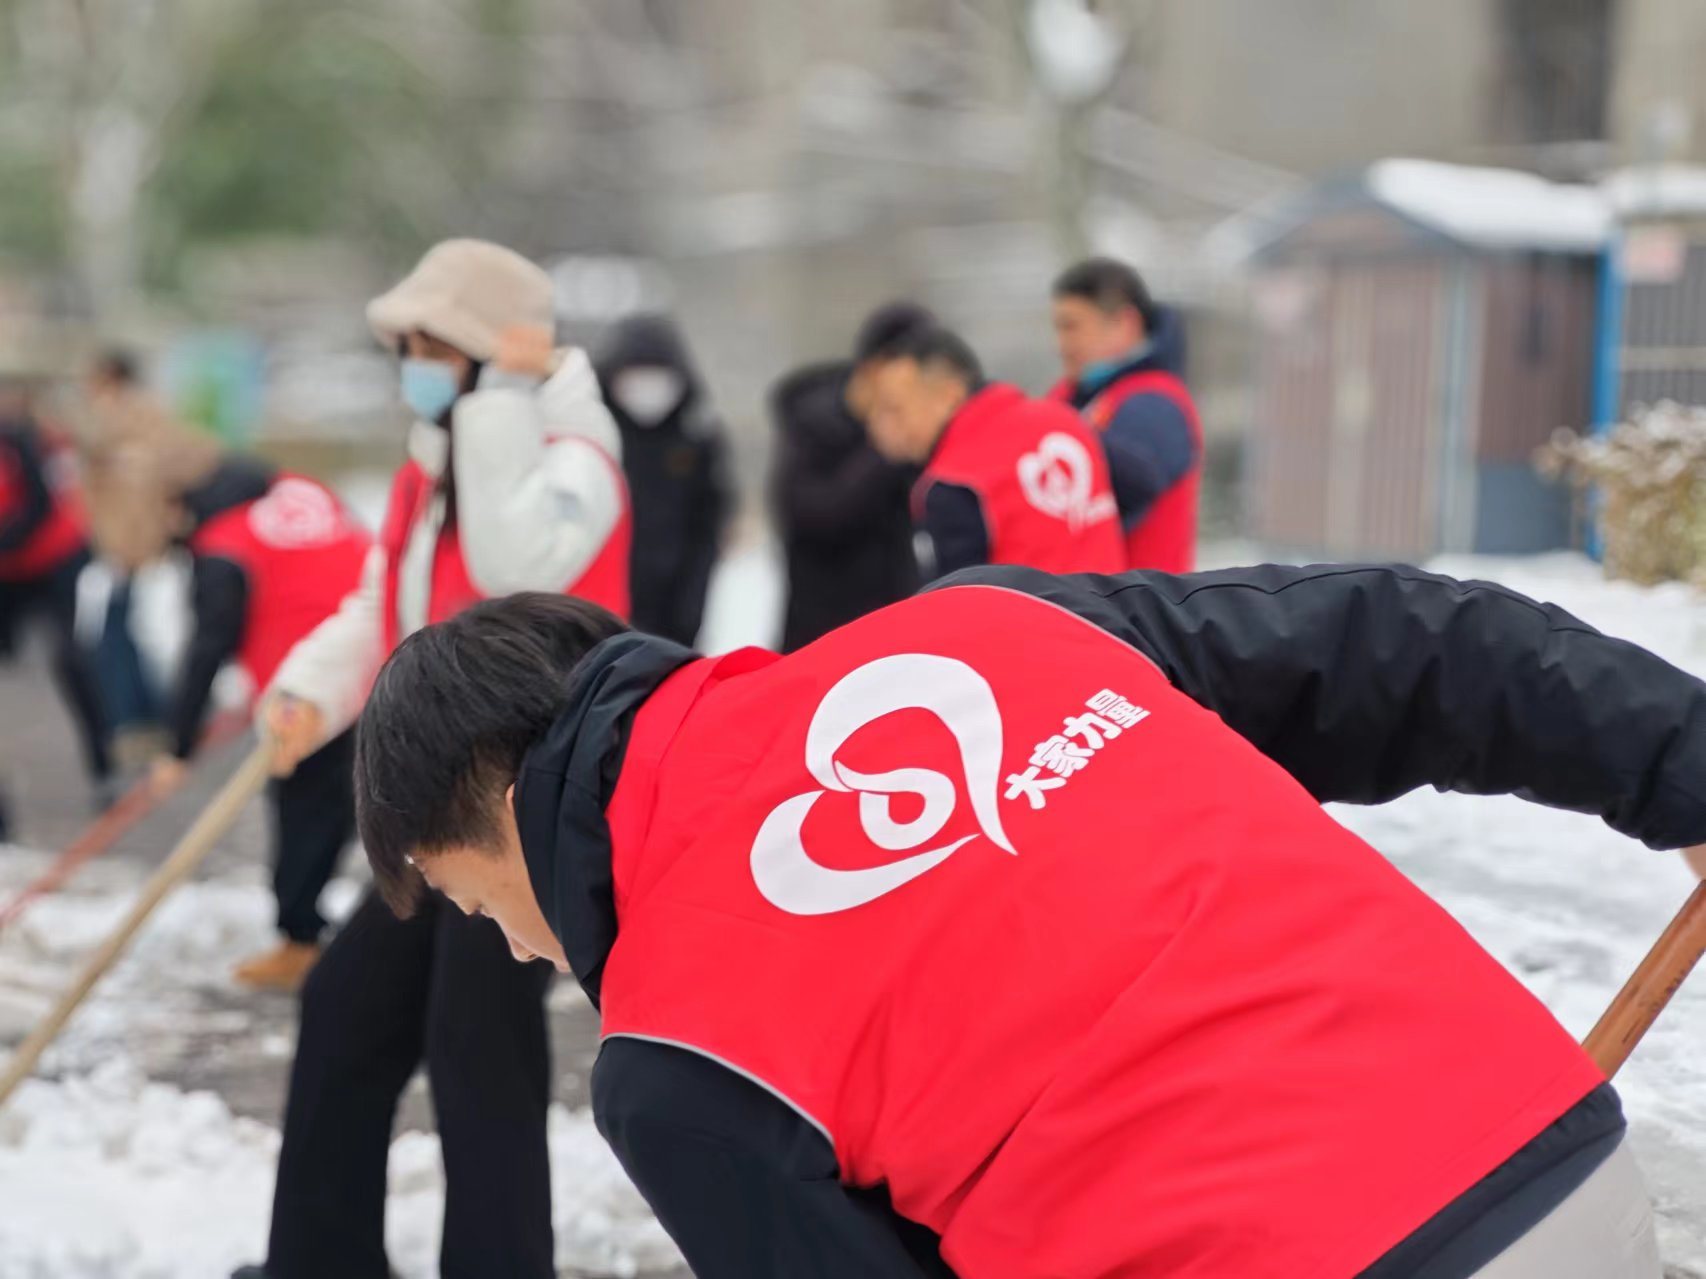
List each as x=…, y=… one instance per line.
x=1537, y=356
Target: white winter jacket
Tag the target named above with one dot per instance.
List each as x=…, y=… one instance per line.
x=535, y=503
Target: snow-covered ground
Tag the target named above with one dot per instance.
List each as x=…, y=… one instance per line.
x=107, y=1175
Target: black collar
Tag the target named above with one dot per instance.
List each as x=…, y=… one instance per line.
x=565, y=784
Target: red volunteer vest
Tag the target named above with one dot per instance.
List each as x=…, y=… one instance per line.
x=62, y=534
x=604, y=582
x=1090, y=984
x=301, y=552
x=1041, y=478
x=1165, y=539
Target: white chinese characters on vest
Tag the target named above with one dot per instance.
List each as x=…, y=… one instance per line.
x=1105, y=717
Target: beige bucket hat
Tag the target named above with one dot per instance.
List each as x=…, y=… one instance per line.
x=464, y=292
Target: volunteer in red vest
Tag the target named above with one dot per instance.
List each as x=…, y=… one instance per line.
x=1123, y=356
x=514, y=482
x=274, y=556
x=1002, y=933
x=44, y=547
x=1007, y=479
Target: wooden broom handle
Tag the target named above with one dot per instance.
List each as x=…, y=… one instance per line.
x=132, y=807
x=192, y=850
x=1645, y=994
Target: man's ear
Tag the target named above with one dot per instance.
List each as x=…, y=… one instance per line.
x=509, y=796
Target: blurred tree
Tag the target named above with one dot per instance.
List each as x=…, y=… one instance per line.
x=136, y=129
x=305, y=128
x=1555, y=82
x=32, y=214
x=1076, y=52
x=92, y=89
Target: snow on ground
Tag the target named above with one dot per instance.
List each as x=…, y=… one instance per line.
x=107, y=1175
x=156, y=994
x=744, y=605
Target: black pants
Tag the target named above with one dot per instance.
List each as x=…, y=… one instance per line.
x=387, y=993
x=53, y=597
x=313, y=817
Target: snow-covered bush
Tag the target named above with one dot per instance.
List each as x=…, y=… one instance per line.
x=1651, y=476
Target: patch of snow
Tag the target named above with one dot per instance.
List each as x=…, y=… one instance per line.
x=1657, y=191
x=109, y=1176
x=1493, y=208
x=744, y=605
x=155, y=993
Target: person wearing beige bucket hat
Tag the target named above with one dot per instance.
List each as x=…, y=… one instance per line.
x=513, y=482
x=466, y=293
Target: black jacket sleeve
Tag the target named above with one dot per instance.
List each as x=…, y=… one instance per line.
x=833, y=504
x=219, y=604
x=1365, y=682
x=745, y=1186
x=29, y=502
x=953, y=519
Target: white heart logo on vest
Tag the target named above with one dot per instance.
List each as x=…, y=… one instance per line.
x=295, y=514
x=1056, y=479
x=957, y=695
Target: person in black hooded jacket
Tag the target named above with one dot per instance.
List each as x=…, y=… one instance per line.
x=675, y=457
x=842, y=511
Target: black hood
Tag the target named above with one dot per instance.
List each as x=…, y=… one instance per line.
x=1167, y=343
x=565, y=784
x=644, y=339
x=647, y=340
x=234, y=481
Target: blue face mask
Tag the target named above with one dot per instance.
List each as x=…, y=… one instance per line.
x=429, y=388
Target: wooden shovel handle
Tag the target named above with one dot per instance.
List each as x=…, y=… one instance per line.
x=1645, y=994
x=191, y=851
x=101, y=834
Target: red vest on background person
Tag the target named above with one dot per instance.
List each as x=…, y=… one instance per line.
x=301, y=552
x=1103, y=992
x=1040, y=478
x=1165, y=539
x=604, y=582
x=64, y=532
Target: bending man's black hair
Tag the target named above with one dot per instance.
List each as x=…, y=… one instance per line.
x=450, y=718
